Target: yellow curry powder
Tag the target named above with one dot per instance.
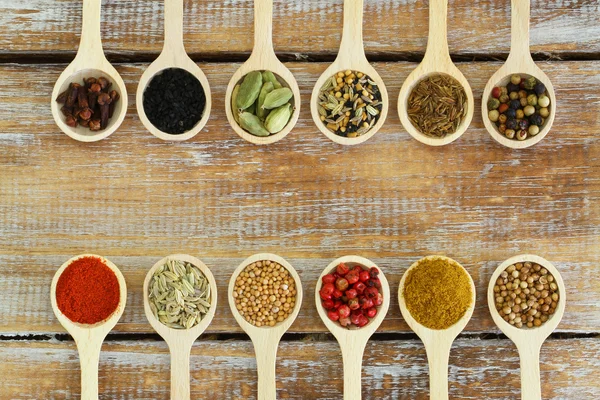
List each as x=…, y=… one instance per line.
x=437, y=293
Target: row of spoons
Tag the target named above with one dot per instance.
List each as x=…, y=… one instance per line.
x=91, y=61
x=438, y=343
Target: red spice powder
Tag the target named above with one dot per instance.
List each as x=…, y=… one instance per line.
x=87, y=291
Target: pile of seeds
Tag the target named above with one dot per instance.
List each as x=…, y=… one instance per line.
x=351, y=295
x=265, y=293
x=91, y=105
x=261, y=104
x=350, y=104
x=174, y=101
x=520, y=108
x=526, y=295
x=179, y=294
x=437, y=105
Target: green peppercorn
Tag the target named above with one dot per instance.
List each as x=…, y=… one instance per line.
x=515, y=79
x=520, y=114
x=522, y=93
x=513, y=95
x=530, y=83
x=502, y=128
x=510, y=133
x=523, y=101
x=532, y=100
x=504, y=98
x=493, y=115
x=521, y=135
x=529, y=110
x=533, y=130
x=544, y=101
x=544, y=112
x=502, y=118
x=493, y=104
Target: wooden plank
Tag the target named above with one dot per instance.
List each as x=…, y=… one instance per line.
x=392, y=27
x=487, y=369
x=135, y=199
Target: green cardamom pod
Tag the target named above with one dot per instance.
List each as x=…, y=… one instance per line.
x=268, y=76
x=249, y=90
x=278, y=118
x=253, y=124
x=266, y=89
x=277, y=98
x=234, y=110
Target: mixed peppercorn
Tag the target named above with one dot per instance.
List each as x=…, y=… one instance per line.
x=520, y=108
x=351, y=295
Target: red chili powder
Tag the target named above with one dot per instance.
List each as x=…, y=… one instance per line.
x=87, y=291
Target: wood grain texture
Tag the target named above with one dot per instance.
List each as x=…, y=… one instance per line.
x=392, y=27
x=479, y=369
x=135, y=199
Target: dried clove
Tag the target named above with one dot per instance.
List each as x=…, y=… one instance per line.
x=90, y=105
x=104, y=102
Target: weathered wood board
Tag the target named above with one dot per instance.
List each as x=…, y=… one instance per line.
x=135, y=199
x=560, y=28
x=479, y=369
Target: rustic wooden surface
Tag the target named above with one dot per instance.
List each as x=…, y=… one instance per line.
x=135, y=199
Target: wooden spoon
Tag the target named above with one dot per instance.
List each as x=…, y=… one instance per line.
x=351, y=56
x=265, y=339
x=436, y=61
x=90, y=61
x=263, y=58
x=353, y=341
x=529, y=341
x=180, y=341
x=173, y=55
x=437, y=342
x=519, y=62
x=89, y=338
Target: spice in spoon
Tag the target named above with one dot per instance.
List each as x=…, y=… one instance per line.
x=351, y=295
x=91, y=104
x=174, y=101
x=350, y=103
x=179, y=294
x=262, y=104
x=437, y=105
x=87, y=291
x=437, y=292
x=520, y=108
x=526, y=295
x=265, y=293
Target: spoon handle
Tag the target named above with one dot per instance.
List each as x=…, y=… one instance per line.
x=180, y=372
x=437, y=43
x=90, y=44
x=531, y=388
x=266, y=355
x=519, y=48
x=438, y=353
x=263, y=28
x=352, y=355
x=352, y=47
x=173, y=27
x=89, y=357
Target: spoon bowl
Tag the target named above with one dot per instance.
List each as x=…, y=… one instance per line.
x=89, y=337
x=90, y=61
x=180, y=341
x=436, y=61
x=265, y=339
x=263, y=58
x=173, y=55
x=519, y=62
x=438, y=342
x=353, y=341
x=528, y=340
x=351, y=56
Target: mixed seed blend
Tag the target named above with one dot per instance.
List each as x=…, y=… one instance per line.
x=350, y=104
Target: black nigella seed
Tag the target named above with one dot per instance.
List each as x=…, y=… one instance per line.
x=174, y=101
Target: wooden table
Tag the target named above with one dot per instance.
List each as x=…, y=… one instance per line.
x=135, y=199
